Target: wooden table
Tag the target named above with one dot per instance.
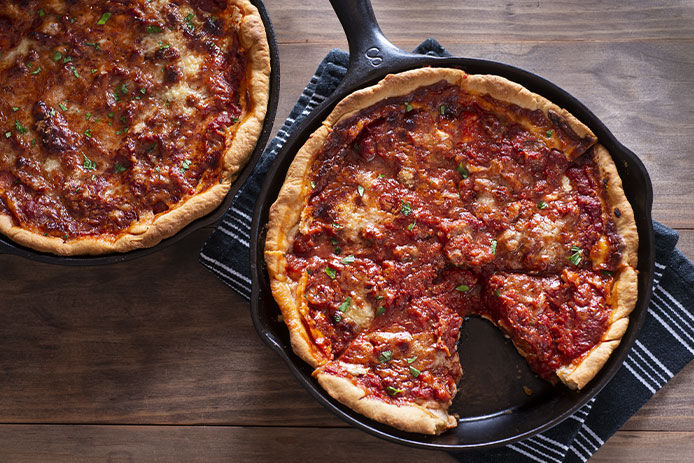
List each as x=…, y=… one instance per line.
x=157, y=360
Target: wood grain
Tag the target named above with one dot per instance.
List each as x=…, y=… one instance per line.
x=157, y=360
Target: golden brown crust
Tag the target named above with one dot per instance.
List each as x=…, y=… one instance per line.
x=150, y=230
x=430, y=418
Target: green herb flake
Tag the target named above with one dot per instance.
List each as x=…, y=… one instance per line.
x=62, y=106
x=577, y=255
x=348, y=259
x=153, y=29
x=493, y=247
x=67, y=59
x=57, y=55
x=96, y=45
x=74, y=72
x=42, y=13
x=20, y=128
x=442, y=110
x=542, y=205
x=38, y=69
x=151, y=148
x=408, y=107
x=496, y=292
x=331, y=272
x=379, y=298
x=165, y=46
x=185, y=165
x=189, y=20
x=381, y=176
x=88, y=133
x=87, y=116
x=411, y=360
x=411, y=226
x=8, y=134
x=143, y=91
x=337, y=318
x=337, y=226
x=104, y=18
x=463, y=288
x=88, y=164
x=118, y=168
x=313, y=184
x=393, y=391
x=607, y=273
x=385, y=356
x=337, y=251
x=94, y=71
x=548, y=134
x=15, y=109
x=333, y=241
x=158, y=169
x=356, y=147
x=414, y=372
x=110, y=115
x=360, y=190
x=406, y=208
x=345, y=304
x=463, y=171
x=381, y=310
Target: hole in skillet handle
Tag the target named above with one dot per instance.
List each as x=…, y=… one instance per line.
x=372, y=57
x=8, y=246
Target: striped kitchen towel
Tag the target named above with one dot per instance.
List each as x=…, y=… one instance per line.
x=664, y=346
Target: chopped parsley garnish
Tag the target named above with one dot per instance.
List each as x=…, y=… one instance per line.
x=442, y=110
x=577, y=255
x=15, y=109
x=189, y=20
x=408, y=107
x=411, y=226
x=151, y=148
x=110, y=115
x=414, y=372
x=360, y=190
x=313, y=184
x=333, y=241
x=336, y=226
x=41, y=13
x=185, y=165
x=104, y=18
x=411, y=359
x=20, y=128
x=67, y=59
x=331, y=272
x=542, y=205
x=345, y=305
x=406, y=208
x=8, y=134
x=62, y=106
x=143, y=91
x=158, y=169
x=348, y=259
x=381, y=310
x=463, y=288
x=123, y=89
x=88, y=133
x=88, y=164
x=87, y=116
x=93, y=44
x=153, y=29
x=337, y=251
x=74, y=72
x=94, y=71
x=38, y=69
x=381, y=176
x=57, y=55
x=496, y=292
x=356, y=147
x=118, y=168
x=607, y=273
x=379, y=298
x=548, y=134
x=164, y=46
x=385, y=356
x=337, y=318
x=393, y=391
x=493, y=246
x=463, y=171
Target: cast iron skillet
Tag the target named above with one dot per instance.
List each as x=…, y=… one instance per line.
x=491, y=402
x=8, y=246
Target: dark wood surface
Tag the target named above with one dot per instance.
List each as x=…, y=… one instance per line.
x=157, y=360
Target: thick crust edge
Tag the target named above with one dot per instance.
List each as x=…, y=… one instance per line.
x=406, y=416
x=143, y=234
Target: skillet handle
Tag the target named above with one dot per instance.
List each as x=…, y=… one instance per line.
x=369, y=49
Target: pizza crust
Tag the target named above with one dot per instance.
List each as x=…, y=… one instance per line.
x=410, y=417
x=152, y=230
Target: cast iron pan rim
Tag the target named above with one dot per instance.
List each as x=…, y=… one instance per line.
x=352, y=81
x=7, y=246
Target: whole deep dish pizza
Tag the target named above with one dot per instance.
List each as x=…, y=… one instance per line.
x=123, y=121
x=433, y=196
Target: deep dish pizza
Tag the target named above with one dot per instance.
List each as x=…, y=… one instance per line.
x=123, y=121
x=433, y=196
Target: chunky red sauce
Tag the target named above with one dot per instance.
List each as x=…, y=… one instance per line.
x=113, y=111
x=474, y=210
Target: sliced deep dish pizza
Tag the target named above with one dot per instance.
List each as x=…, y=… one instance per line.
x=123, y=121
x=433, y=196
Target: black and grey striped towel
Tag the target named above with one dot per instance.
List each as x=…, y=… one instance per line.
x=664, y=346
